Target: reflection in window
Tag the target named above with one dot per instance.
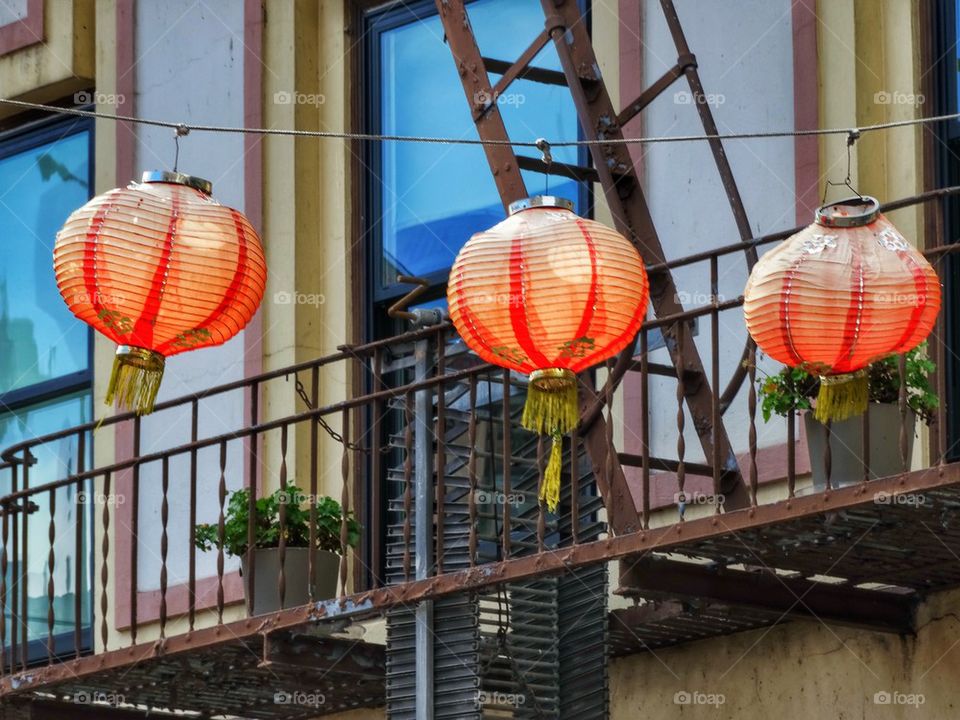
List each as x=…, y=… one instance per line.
x=433, y=197
x=39, y=187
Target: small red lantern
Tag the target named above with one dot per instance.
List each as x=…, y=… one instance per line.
x=840, y=294
x=548, y=293
x=159, y=267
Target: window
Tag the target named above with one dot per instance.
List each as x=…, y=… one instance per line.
x=45, y=362
x=426, y=200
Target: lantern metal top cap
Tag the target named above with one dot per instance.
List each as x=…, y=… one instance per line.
x=166, y=176
x=852, y=212
x=539, y=201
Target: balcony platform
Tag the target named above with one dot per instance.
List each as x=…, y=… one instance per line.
x=286, y=674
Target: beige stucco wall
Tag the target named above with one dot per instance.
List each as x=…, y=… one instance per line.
x=802, y=669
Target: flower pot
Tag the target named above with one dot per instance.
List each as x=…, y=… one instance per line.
x=846, y=446
x=266, y=598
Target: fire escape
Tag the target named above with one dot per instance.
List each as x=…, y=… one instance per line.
x=493, y=607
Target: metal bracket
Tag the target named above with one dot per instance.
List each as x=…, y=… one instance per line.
x=419, y=317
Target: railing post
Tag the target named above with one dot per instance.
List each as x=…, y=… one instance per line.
x=423, y=503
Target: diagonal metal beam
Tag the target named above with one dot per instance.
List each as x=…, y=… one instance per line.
x=632, y=217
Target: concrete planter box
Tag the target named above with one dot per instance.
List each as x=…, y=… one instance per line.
x=846, y=446
x=326, y=570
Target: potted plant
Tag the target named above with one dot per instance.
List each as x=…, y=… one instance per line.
x=794, y=389
x=266, y=553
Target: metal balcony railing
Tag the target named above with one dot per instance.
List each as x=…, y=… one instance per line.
x=100, y=558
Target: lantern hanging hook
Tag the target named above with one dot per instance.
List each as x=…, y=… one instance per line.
x=179, y=131
x=853, y=134
x=547, y=158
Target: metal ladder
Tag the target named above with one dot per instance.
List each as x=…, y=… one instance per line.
x=613, y=168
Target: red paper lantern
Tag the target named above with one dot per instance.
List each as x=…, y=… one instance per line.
x=159, y=267
x=840, y=294
x=548, y=293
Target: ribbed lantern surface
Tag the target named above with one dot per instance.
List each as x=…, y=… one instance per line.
x=842, y=293
x=548, y=293
x=546, y=288
x=160, y=267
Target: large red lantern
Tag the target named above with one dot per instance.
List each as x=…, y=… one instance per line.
x=840, y=294
x=159, y=267
x=548, y=293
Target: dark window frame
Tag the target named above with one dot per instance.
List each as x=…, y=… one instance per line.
x=14, y=140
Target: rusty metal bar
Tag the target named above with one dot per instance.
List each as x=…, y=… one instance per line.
x=541, y=505
x=192, y=569
x=645, y=427
x=715, y=418
x=472, y=471
x=164, y=542
x=441, y=459
x=285, y=498
x=105, y=564
x=14, y=614
x=24, y=577
x=681, y=425
x=791, y=452
x=78, y=532
x=221, y=528
x=408, y=484
x=904, y=408
x=344, y=501
x=574, y=487
x=507, y=443
x=254, y=459
x=752, y=413
x=314, y=480
x=828, y=454
x=865, y=443
x=52, y=539
x=376, y=474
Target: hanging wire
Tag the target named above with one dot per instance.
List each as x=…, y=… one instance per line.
x=852, y=136
x=180, y=131
x=547, y=157
x=471, y=141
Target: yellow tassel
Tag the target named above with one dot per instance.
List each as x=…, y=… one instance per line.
x=550, y=487
x=842, y=396
x=135, y=379
x=551, y=402
x=552, y=409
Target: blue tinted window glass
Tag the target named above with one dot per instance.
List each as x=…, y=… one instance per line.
x=39, y=337
x=53, y=461
x=433, y=197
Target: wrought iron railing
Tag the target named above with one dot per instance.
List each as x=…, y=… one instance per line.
x=426, y=415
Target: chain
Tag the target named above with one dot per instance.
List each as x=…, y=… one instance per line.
x=302, y=392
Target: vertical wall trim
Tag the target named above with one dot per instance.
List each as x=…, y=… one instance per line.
x=806, y=108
